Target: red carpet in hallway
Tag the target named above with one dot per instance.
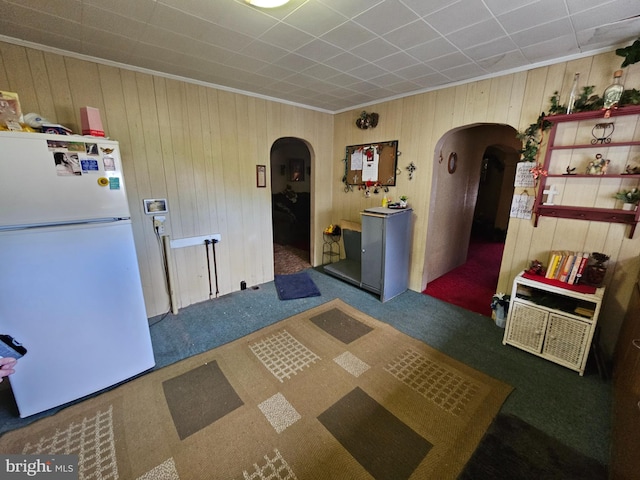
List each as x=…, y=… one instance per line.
x=472, y=285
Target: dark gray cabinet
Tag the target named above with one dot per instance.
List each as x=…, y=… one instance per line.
x=386, y=248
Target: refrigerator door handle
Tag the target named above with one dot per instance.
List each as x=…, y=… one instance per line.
x=8, y=228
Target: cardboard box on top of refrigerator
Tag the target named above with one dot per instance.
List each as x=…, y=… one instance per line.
x=91, y=122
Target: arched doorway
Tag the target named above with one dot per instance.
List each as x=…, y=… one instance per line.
x=472, y=188
x=291, y=160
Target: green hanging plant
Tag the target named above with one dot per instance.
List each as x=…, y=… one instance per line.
x=586, y=102
x=631, y=53
x=532, y=138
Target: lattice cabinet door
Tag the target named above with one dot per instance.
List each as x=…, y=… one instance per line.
x=566, y=340
x=526, y=327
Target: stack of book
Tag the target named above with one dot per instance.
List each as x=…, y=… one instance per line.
x=567, y=266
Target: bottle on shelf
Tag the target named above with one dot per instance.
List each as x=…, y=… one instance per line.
x=574, y=93
x=613, y=92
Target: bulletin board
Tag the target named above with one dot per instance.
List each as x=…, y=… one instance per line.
x=372, y=162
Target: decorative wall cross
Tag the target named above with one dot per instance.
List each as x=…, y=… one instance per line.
x=411, y=168
x=550, y=193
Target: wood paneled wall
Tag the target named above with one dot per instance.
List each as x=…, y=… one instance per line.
x=194, y=145
x=198, y=147
x=420, y=121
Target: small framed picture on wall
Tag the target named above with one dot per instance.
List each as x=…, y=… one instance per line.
x=296, y=170
x=154, y=206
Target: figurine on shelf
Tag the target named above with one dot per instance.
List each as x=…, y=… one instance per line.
x=536, y=268
x=570, y=171
x=629, y=170
x=599, y=166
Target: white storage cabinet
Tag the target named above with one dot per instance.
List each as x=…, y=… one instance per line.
x=542, y=320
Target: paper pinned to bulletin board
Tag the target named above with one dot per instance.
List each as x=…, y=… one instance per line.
x=522, y=206
x=524, y=177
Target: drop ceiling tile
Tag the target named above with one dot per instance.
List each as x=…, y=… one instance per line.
x=264, y=51
x=559, y=46
x=41, y=20
x=386, y=16
x=603, y=16
x=374, y=49
x=70, y=10
x=411, y=35
x=43, y=37
x=396, y=61
x=286, y=36
x=153, y=35
x=464, y=72
x=93, y=38
x=294, y=62
x=549, y=30
x=423, y=8
x=538, y=13
x=367, y=71
x=318, y=50
x=229, y=39
x=351, y=8
x=96, y=19
x=345, y=61
x=577, y=6
x=348, y=35
x=344, y=80
x=433, y=49
x=387, y=80
x=244, y=63
x=504, y=61
x=498, y=7
x=274, y=72
x=214, y=11
x=448, y=61
x=458, y=16
x=431, y=80
x=403, y=87
x=177, y=21
x=315, y=18
x=140, y=10
x=367, y=88
x=481, y=32
x=601, y=37
x=415, y=71
x=321, y=71
x=495, y=47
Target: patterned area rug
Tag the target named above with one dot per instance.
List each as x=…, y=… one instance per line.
x=289, y=259
x=328, y=393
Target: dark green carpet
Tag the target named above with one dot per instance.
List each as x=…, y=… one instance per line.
x=547, y=396
x=512, y=449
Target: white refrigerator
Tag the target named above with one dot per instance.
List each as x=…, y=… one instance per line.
x=70, y=288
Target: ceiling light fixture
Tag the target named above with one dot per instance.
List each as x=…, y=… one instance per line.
x=267, y=3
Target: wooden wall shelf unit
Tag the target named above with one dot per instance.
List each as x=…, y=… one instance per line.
x=573, y=143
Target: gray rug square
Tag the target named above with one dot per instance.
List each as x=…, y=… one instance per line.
x=199, y=397
x=384, y=445
x=340, y=325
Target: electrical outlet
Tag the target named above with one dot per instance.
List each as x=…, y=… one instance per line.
x=158, y=223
